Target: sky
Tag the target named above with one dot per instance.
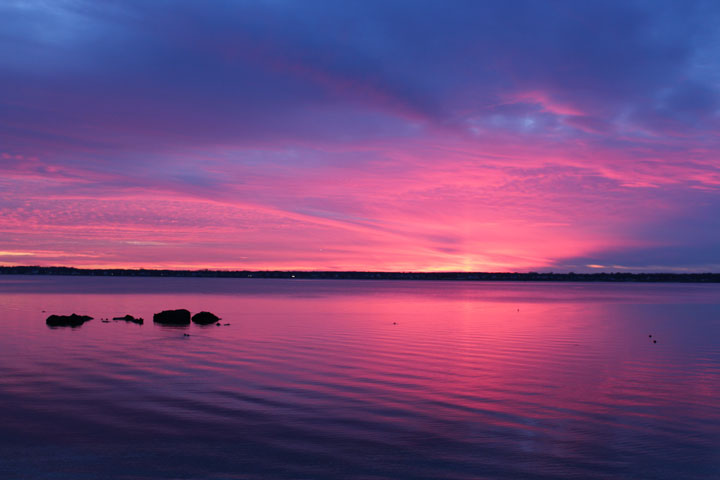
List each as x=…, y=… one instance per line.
x=361, y=135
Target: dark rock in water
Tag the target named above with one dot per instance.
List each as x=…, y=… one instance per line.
x=217, y=324
x=130, y=318
x=205, y=318
x=173, y=317
x=73, y=320
x=106, y=321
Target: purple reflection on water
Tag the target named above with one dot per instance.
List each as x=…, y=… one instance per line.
x=360, y=379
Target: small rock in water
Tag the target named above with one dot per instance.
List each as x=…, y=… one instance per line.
x=73, y=320
x=173, y=317
x=650, y=336
x=654, y=341
x=130, y=318
x=217, y=324
x=227, y=324
x=205, y=318
x=105, y=320
x=186, y=334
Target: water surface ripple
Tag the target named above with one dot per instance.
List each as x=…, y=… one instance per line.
x=322, y=379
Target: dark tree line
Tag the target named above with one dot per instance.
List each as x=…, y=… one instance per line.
x=456, y=276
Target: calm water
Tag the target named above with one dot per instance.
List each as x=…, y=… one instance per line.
x=312, y=380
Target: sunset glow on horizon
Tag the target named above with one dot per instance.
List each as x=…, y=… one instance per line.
x=361, y=135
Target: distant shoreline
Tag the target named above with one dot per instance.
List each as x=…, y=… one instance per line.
x=350, y=275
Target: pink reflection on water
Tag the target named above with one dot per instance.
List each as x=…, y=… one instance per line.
x=472, y=366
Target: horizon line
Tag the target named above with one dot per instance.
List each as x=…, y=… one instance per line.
x=358, y=274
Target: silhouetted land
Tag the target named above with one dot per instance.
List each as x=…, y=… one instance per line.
x=456, y=276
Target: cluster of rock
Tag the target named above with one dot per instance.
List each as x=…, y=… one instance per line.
x=166, y=317
x=182, y=317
